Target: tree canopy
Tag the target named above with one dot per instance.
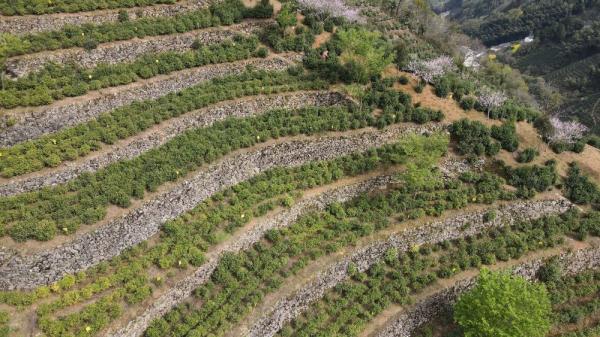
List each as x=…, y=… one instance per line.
x=502, y=305
x=365, y=50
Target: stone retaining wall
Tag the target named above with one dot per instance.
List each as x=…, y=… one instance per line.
x=136, y=145
x=85, y=250
x=184, y=288
x=442, y=302
x=288, y=309
x=34, y=122
x=129, y=50
x=26, y=24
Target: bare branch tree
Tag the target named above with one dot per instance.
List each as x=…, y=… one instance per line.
x=332, y=8
x=431, y=69
x=490, y=99
x=566, y=132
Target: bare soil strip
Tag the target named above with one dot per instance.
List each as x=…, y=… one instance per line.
x=30, y=264
x=25, y=24
x=128, y=50
x=289, y=307
x=401, y=321
x=161, y=133
x=33, y=122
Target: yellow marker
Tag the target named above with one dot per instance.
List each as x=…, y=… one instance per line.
x=88, y=328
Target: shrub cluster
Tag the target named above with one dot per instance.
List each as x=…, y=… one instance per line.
x=280, y=39
x=529, y=179
x=242, y=280
x=396, y=105
x=527, y=155
x=347, y=308
x=56, y=82
x=473, y=138
x=41, y=214
x=506, y=134
x=89, y=35
x=579, y=188
x=37, y=7
x=71, y=143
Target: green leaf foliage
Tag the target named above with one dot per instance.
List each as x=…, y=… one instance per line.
x=502, y=305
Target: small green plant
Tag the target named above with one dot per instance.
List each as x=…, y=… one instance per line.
x=527, y=155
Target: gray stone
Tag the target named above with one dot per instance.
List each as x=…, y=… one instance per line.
x=441, y=302
x=88, y=249
x=34, y=122
x=288, y=309
x=20, y=25
x=136, y=145
x=128, y=50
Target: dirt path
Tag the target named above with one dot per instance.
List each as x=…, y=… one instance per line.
x=158, y=135
x=115, y=212
x=25, y=320
x=314, y=269
x=389, y=315
x=20, y=25
x=589, y=159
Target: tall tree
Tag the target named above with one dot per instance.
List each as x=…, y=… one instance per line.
x=502, y=305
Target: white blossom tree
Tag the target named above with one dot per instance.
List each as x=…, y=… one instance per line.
x=566, y=132
x=431, y=69
x=332, y=8
x=491, y=99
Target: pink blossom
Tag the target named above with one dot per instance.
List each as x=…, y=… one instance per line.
x=431, y=69
x=490, y=99
x=335, y=8
x=567, y=132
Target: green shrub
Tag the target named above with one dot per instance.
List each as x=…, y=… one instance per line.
x=579, y=188
x=468, y=102
x=506, y=134
x=473, y=138
x=527, y=155
x=504, y=305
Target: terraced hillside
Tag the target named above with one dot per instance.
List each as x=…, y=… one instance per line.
x=265, y=168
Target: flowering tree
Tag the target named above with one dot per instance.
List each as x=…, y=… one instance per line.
x=490, y=99
x=566, y=132
x=429, y=70
x=332, y=8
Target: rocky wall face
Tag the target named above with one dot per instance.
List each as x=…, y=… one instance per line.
x=21, y=25
x=184, y=288
x=86, y=250
x=136, y=145
x=35, y=122
x=453, y=228
x=442, y=302
x=129, y=50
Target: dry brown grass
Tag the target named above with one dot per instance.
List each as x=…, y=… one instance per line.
x=588, y=160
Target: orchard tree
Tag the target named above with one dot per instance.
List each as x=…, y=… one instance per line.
x=490, y=99
x=502, y=305
x=423, y=153
x=364, y=53
x=431, y=69
x=332, y=8
x=287, y=17
x=566, y=132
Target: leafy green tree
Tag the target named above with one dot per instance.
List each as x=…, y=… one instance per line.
x=423, y=153
x=287, y=17
x=502, y=305
x=365, y=49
